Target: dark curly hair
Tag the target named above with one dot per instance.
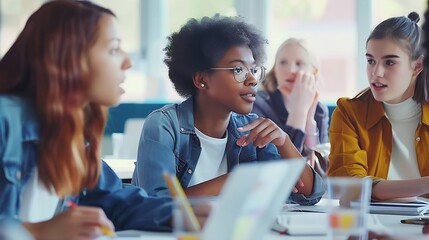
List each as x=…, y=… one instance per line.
x=200, y=44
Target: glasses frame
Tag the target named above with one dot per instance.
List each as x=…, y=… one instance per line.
x=263, y=71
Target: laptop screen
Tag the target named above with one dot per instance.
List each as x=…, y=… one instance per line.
x=251, y=198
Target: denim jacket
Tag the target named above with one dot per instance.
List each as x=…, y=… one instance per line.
x=127, y=207
x=168, y=143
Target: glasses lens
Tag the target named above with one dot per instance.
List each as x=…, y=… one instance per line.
x=258, y=73
x=240, y=74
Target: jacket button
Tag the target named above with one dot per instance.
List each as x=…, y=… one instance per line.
x=18, y=175
x=182, y=129
x=418, y=139
x=190, y=171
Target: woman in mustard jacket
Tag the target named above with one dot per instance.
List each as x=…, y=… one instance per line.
x=383, y=132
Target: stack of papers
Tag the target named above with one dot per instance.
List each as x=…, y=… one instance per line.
x=399, y=208
x=412, y=206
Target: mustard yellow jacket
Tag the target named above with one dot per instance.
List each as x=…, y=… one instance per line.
x=361, y=139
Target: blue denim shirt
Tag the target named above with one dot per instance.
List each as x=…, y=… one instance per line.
x=128, y=207
x=168, y=143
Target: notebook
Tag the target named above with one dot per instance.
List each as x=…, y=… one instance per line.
x=398, y=208
x=251, y=198
x=412, y=206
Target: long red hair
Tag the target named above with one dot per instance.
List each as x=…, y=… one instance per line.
x=47, y=65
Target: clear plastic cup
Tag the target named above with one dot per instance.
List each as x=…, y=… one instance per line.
x=348, y=204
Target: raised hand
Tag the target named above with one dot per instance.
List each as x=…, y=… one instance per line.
x=301, y=100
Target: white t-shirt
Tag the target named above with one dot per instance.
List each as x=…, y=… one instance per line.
x=404, y=117
x=212, y=161
x=37, y=203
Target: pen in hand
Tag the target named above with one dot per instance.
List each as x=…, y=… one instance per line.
x=106, y=231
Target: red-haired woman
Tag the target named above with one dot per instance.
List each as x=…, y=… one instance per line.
x=56, y=82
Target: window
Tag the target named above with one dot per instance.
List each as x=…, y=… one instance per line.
x=335, y=37
x=383, y=9
x=331, y=35
x=14, y=14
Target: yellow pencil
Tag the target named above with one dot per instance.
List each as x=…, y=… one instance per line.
x=106, y=231
x=177, y=192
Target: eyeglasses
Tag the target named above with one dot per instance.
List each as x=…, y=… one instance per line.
x=241, y=74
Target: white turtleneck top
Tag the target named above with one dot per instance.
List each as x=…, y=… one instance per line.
x=404, y=117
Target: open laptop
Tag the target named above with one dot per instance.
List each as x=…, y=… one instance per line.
x=251, y=198
x=249, y=202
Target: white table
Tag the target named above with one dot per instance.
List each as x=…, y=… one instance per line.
x=310, y=220
x=124, y=168
x=377, y=222
x=381, y=223
x=389, y=222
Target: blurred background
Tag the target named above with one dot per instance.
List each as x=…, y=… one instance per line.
x=336, y=31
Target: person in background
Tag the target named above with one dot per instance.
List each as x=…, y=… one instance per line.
x=216, y=63
x=290, y=96
x=383, y=132
x=56, y=82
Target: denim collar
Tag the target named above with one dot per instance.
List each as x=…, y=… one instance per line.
x=30, y=129
x=186, y=116
x=186, y=119
x=27, y=115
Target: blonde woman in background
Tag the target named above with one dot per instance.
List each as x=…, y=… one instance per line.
x=290, y=96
